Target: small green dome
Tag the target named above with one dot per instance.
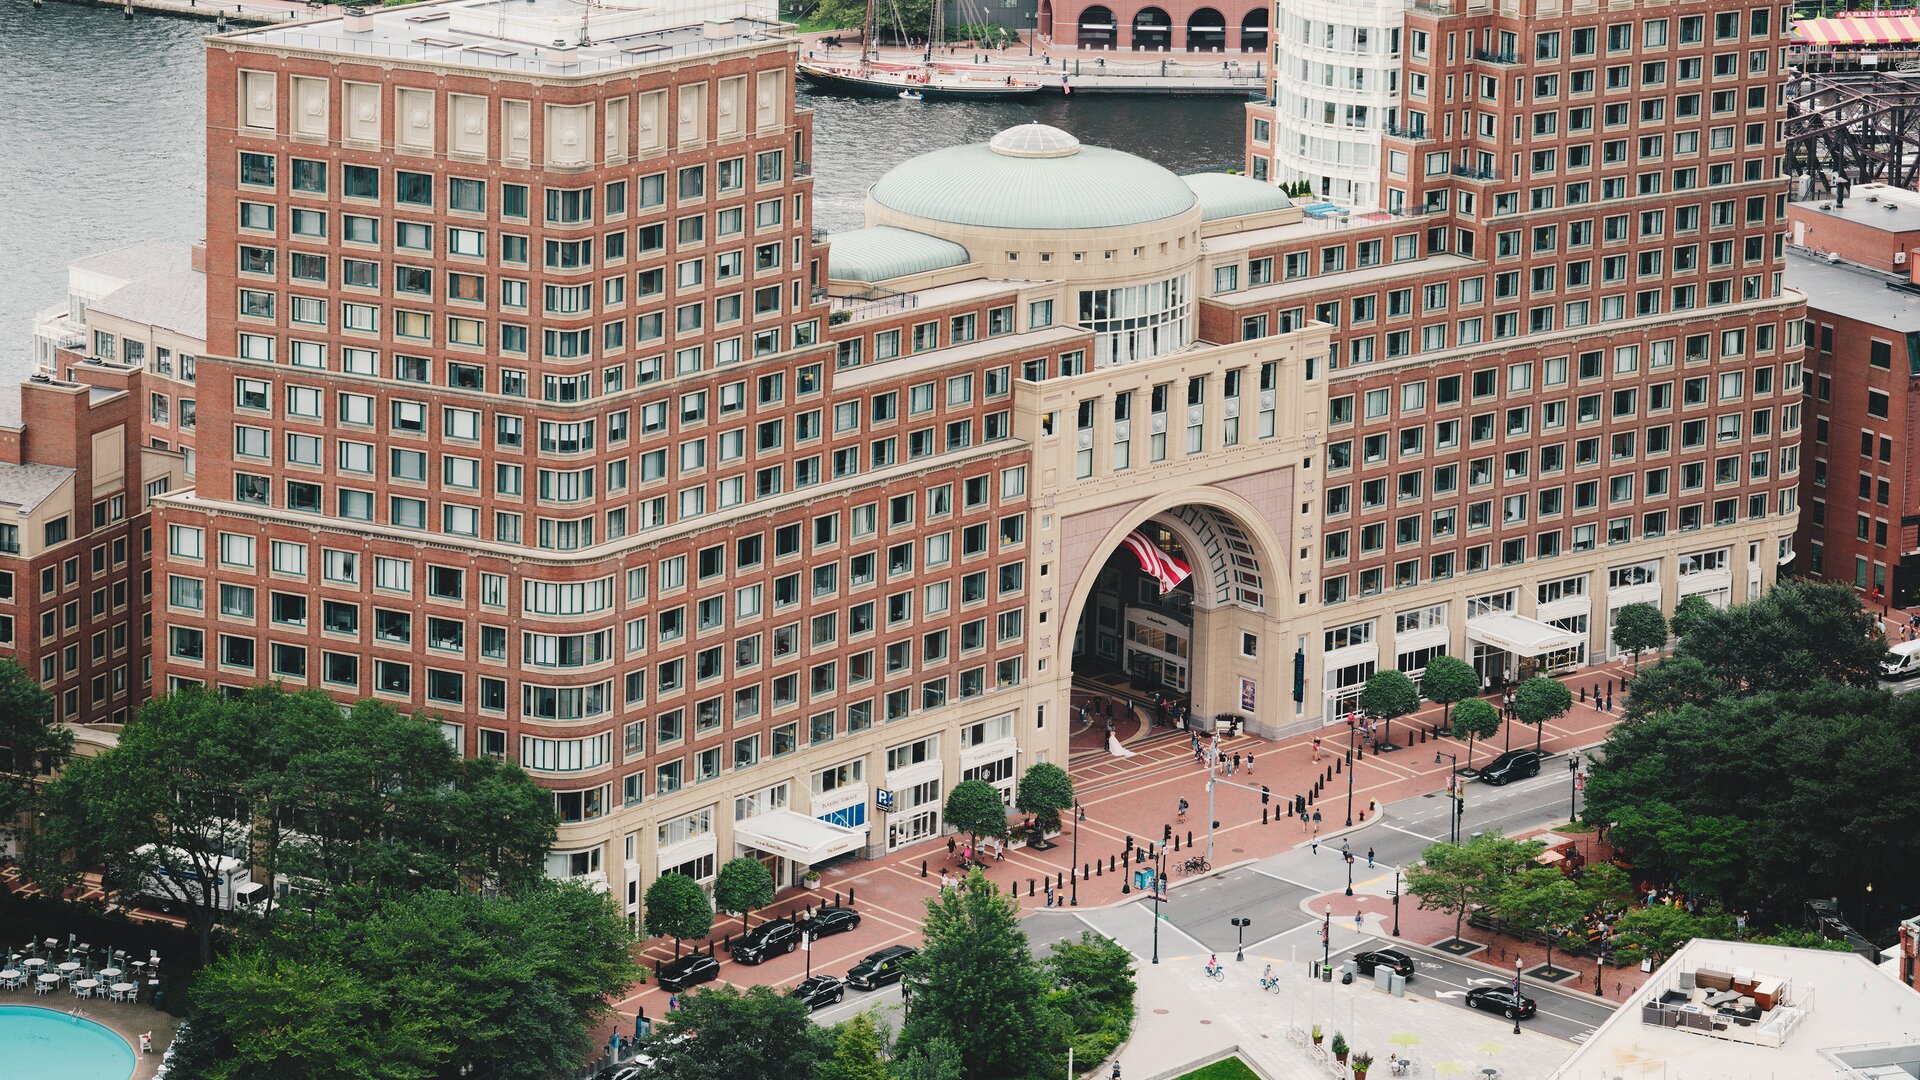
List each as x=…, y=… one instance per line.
x=1227, y=195
x=883, y=252
x=1033, y=177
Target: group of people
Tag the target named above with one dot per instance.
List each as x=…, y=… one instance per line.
x=1601, y=701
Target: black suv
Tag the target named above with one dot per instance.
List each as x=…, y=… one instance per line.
x=1512, y=765
x=687, y=971
x=1394, y=959
x=1502, y=999
x=830, y=920
x=767, y=939
x=879, y=969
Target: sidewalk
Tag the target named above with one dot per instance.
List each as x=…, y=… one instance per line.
x=1137, y=798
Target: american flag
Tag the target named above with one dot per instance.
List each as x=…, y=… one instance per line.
x=1169, y=571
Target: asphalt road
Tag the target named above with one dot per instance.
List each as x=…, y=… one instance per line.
x=1562, y=1014
x=1410, y=825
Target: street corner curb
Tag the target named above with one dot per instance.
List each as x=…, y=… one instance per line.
x=1171, y=886
x=1504, y=973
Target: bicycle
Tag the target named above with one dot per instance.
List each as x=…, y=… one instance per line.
x=1197, y=864
x=1270, y=984
x=1217, y=972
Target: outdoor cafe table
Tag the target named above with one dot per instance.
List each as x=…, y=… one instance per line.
x=109, y=973
x=122, y=989
x=10, y=975
x=32, y=962
x=69, y=967
x=49, y=978
x=86, y=984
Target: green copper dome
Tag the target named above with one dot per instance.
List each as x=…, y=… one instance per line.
x=1226, y=195
x=1033, y=177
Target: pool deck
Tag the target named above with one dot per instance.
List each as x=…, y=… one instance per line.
x=126, y=1021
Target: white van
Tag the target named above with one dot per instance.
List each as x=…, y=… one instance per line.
x=1903, y=661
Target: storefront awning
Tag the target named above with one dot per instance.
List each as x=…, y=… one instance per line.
x=1519, y=635
x=796, y=836
x=1862, y=29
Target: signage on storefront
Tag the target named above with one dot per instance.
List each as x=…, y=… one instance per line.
x=883, y=800
x=1247, y=693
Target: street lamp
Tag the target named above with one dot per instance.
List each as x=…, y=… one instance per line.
x=1240, y=950
x=1396, y=903
x=1349, y=873
x=1353, y=729
x=806, y=946
x=1159, y=875
x=1453, y=792
x=1073, y=871
x=1326, y=941
x=1516, y=995
x=1573, y=788
x=1032, y=28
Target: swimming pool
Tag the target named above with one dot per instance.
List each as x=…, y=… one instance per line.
x=45, y=1043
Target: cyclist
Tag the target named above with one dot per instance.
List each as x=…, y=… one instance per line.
x=1266, y=978
x=1213, y=965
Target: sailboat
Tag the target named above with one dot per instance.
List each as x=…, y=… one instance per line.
x=909, y=82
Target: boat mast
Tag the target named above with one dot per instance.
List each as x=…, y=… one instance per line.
x=868, y=47
x=933, y=29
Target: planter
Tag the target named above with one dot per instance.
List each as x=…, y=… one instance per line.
x=810, y=881
x=1340, y=1056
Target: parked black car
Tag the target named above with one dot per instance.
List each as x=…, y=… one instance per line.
x=879, y=969
x=819, y=990
x=689, y=970
x=830, y=920
x=767, y=939
x=1394, y=959
x=1512, y=765
x=1504, y=1000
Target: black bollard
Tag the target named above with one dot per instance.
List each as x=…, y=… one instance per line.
x=1029, y=886
x=1176, y=841
x=1059, y=880
x=836, y=898
x=923, y=868
x=1189, y=837
x=1096, y=868
x=1084, y=876
x=850, y=896
x=1423, y=734
x=1337, y=763
x=1263, y=815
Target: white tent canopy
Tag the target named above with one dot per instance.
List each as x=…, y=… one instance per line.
x=1519, y=635
x=796, y=836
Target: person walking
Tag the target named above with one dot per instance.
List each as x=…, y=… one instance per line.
x=1303, y=821
x=1316, y=846
x=1249, y=763
x=1183, y=808
x=1316, y=821
x=1316, y=748
x=673, y=1003
x=1609, y=701
x=1369, y=856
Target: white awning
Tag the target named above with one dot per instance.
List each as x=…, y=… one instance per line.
x=796, y=836
x=1519, y=635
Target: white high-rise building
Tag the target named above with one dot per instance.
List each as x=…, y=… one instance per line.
x=1336, y=86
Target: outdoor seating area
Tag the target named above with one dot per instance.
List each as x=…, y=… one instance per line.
x=1743, y=1005
x=51, y=966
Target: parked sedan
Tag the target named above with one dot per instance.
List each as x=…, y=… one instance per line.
x=830, y=920
x=1512, y=765
x=1504, y=1000
x=767, y=939
x=880, y=968
x=819, y=990
x=1393, y=959
x=690, y=970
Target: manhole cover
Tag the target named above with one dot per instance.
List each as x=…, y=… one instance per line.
x=1159, y=1012
x=1239, y=851
x=1206, y=1021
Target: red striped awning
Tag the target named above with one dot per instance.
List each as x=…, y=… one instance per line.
x=1859, y=29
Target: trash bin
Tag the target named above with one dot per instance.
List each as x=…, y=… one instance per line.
x=1143, y=879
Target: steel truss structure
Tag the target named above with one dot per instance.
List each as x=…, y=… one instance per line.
x=1865, y=125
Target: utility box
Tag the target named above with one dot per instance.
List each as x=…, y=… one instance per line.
x=1397, y=984
x=1382, y=976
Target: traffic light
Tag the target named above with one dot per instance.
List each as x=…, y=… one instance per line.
x=1265, y=796
x=1166, y=834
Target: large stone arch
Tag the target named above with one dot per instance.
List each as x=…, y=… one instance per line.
x=1241, y=585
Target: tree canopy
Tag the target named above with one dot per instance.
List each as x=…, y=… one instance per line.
x=31, y=744
x=976, y=984
x=677, y=908
x=974, y=806
x=1449, y=679
x=1457, y=878
x=1539, y=700
x=1689, y=614
x=743, y=886
x=1473, y=719
x=1045, y=791
x=417, y=987
x=1389, y=694
x=1638, y=628
x=374, y=799
x=761, y=1034
x=1798, y=634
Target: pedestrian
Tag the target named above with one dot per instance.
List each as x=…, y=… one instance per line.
x=1316, y=821
x=1583, y=695
x=1196, y=742
x=1303, y=821
x=1183, y=808
x=1116, y=1070
x=1316, y=748
x=1249, y=763
x=1316, y=845
x=673, y=1003
x=1596, y=694
x=952, y=847
x=1609, y=701
x=1356, y=922
x=1369, y=856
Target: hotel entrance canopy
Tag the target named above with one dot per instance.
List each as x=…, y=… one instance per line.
x=796, y=836
x=1519, y=635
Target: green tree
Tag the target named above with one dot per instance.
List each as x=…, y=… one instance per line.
x=1475, y=718
x=166, y=809
x=1800, y=633
x=1539, y=700
x=743, y=887
x=974, y=806
x=1690, y=614
x=1045, y=791
x=1790, y=937
x=430, y=984
x=894, y=22
x=677, y=908
x=1386, y=695
x=1658, y=930
x=1456, y=878
x=1675, y=681
x=1449, y=679
x=761, y=1034
x=31, y=744
x=975, y=983
x=1638, y=628
x=1542, y=898
x=939, y=1059
x=859, y=1050
x=1094, y=993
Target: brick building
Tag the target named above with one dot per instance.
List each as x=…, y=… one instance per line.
x=530, y=399
x=1853, y=256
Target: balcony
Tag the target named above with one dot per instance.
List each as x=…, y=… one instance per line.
x=1492, y=57
x=1469, y=172
x=1418, y=133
